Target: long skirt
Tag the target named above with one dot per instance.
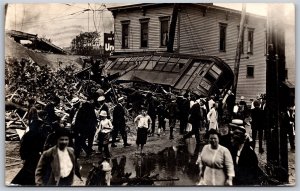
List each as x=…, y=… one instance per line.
x=103, y=138
x=141, y=136
x=213, y=176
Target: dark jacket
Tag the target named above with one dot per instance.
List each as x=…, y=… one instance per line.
x=86, y=120
x=30, y=151
x=246, y=171
x=118, y=116
x=48, y=170
x=258, y=118
x=196, y=114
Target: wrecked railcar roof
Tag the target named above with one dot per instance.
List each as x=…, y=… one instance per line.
x=203, y=75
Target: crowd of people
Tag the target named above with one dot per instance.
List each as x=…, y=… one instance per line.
x=86, y=112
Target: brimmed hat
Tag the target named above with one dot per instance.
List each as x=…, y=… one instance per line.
x=242, y=97
x=101, y=98
x=103, y=113
x=237, y=124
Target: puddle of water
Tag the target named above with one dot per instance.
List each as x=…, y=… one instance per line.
x=177, y=162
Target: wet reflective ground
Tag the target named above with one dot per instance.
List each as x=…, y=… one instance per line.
x=177, y=162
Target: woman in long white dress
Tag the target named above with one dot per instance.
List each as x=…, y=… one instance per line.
x=215, y=162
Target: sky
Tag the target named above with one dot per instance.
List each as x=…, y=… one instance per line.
x=61, y=22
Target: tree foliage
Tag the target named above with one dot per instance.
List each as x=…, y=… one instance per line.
x=85, y=43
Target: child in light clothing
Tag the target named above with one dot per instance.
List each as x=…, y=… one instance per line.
x=143, y=123
x=103, y=133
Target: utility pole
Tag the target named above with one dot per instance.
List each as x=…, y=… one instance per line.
x=238, y=50
x=276, y=134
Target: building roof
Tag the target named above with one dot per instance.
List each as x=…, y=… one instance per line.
x=200, y=5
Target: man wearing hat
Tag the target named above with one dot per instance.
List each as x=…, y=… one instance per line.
x=119, y=123
x=57, y=165
x=244, y=158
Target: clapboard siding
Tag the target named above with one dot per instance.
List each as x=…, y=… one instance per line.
x=199, y=35
x=135, y=29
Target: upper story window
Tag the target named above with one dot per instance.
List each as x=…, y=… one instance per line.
x=242, y=40
x=222, y=45
x=144, y=32
x=250, y=41
x=125, y=34
x=164, y=31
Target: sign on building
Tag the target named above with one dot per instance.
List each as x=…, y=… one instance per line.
x=109, y=42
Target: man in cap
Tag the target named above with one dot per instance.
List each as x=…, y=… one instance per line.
x=119, y=123
x=57, y=165
x=244, y=158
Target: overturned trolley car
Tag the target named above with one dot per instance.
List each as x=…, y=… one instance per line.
x=202, y=75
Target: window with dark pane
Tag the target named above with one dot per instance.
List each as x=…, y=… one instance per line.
x=144, y=32
x=222, y=45
x=125, y=34
x=250, y=41
x=164, y=31
x=250, y=71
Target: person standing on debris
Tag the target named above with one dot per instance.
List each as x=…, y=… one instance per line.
x=31, y=148
x=103, y=133
x=212, y=117
x=119, y=123
x=195, y=118
x=257, y=125
x=215, y=163
x=244, y=158
x=50, y=110
x=151, y=110
x=31, y=108
x=172, y=111
x=57, y=166
x=143, y=123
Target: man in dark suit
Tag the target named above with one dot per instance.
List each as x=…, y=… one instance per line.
x=244, y=159
x=119, y=123
x=57, y=166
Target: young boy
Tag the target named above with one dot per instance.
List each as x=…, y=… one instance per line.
x=103, y=132
x=143, y=123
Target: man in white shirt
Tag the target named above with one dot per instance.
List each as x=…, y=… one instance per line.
x=57, y=165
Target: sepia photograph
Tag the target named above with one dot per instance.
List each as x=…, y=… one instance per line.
x=150, y=94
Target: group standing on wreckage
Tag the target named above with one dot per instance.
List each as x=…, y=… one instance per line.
x=45, y=101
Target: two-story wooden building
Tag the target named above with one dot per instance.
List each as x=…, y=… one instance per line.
x=196, y=29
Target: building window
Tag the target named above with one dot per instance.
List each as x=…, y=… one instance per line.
x=144, y=32
x=164, y=31
x=250, y=71
x=222, y=46
x=250, y=41
x=125, y=34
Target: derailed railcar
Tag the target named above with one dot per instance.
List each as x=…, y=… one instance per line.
x=202, y=75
